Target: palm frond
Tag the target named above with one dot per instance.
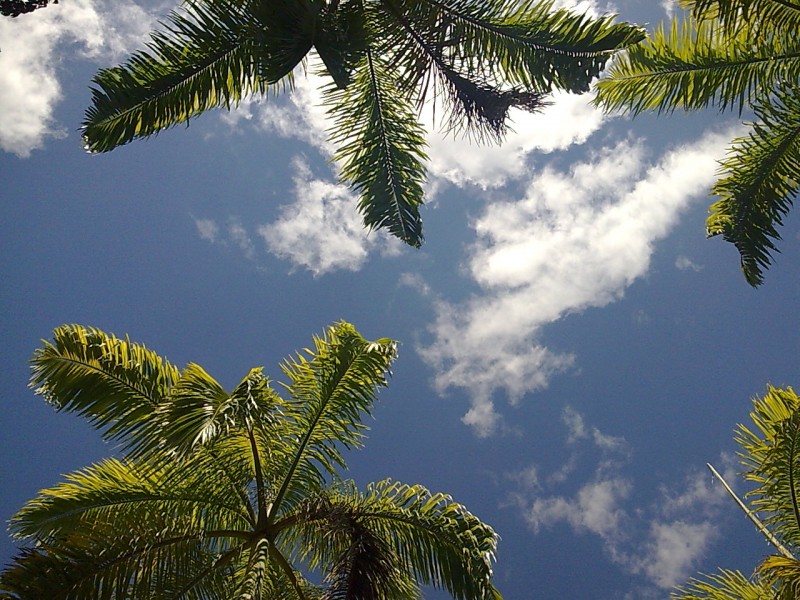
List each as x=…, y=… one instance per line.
x=760, y=14
x=696, y=65
x=783, y=574
x=771, y=455
x=531, y=43
x=725, y=585
x=332, y=387
x=435, y=540
x=381, y=149
x=761, y=177
x=114, y=495
x=200, y=411
x=210, y=54
x=117, y=385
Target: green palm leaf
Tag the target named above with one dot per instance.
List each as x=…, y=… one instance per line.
x=772, y=457
x=117, y=385
x=210, y=55
x=726, y=585
x=332, y=388
x=695, y=65
x=771, y=14
x=382, y=149
x=761, y=176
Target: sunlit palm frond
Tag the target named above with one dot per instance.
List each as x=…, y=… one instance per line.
x=114, y=495
x=210, y=54
x=725, y=585
x=381, y=149
x=117, y=385
x=761, y=177
x=783, y=574
x=332, y=388
x=771, y=455
x=693, y=66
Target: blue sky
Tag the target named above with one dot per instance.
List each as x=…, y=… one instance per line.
x=573, y=349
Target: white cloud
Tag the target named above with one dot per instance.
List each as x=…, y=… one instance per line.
x=239, y=236
x=663, y=541
x=29, y=85
x=570, y=119
x=672, y=550
x=576, y=240
x=684, y=263
x=208, y=229
x=321, y=230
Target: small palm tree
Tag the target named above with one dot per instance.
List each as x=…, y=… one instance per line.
x=732, y=54
x=233, y=495
x=771, y=455
x=384, y=59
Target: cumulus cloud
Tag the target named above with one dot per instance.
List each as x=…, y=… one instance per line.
x=29, y=84
x=662, y=542
x=208, y=229
x=576, y=239
x=321, y=230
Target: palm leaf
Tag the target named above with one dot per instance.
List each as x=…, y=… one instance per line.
x=726, y=585
x=382, y=149
x=532, y=44
x=211, y=54
x=695, y=65
x=772, y=457
x=117, y=385
x=767, y=14
x=783, y=574
x=332, y=388
x=761, y=176
x=432, y=539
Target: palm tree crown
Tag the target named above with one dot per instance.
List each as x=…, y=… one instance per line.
x=732, y=54
x=234, y=495
x=385, y=58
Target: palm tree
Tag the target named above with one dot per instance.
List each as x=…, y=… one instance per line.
x=233, y=495
x=770, y=453
x=733, y=55
x=15, y=8
x=384, y=59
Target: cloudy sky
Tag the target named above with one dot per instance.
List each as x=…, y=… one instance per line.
x=573, y=349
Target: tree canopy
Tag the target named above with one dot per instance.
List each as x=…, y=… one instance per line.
x=234, y=495
x=384, y=59
x=734, y=55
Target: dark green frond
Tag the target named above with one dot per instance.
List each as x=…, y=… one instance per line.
x=210, y=55
x=761, y=177
x=530, y=43
x=693, y=66
x=117, y=385
x=381, y=149
x=765, y=15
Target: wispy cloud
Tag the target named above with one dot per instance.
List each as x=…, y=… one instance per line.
x=684, y=263
x=662, y=542
x=29, y=62
x=576, y=239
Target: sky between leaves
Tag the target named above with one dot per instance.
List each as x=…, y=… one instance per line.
x=573, y=350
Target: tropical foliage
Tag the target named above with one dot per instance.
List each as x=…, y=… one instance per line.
x=474, y=59
x=770, y=452
x=738, y=55
x=233, y=495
